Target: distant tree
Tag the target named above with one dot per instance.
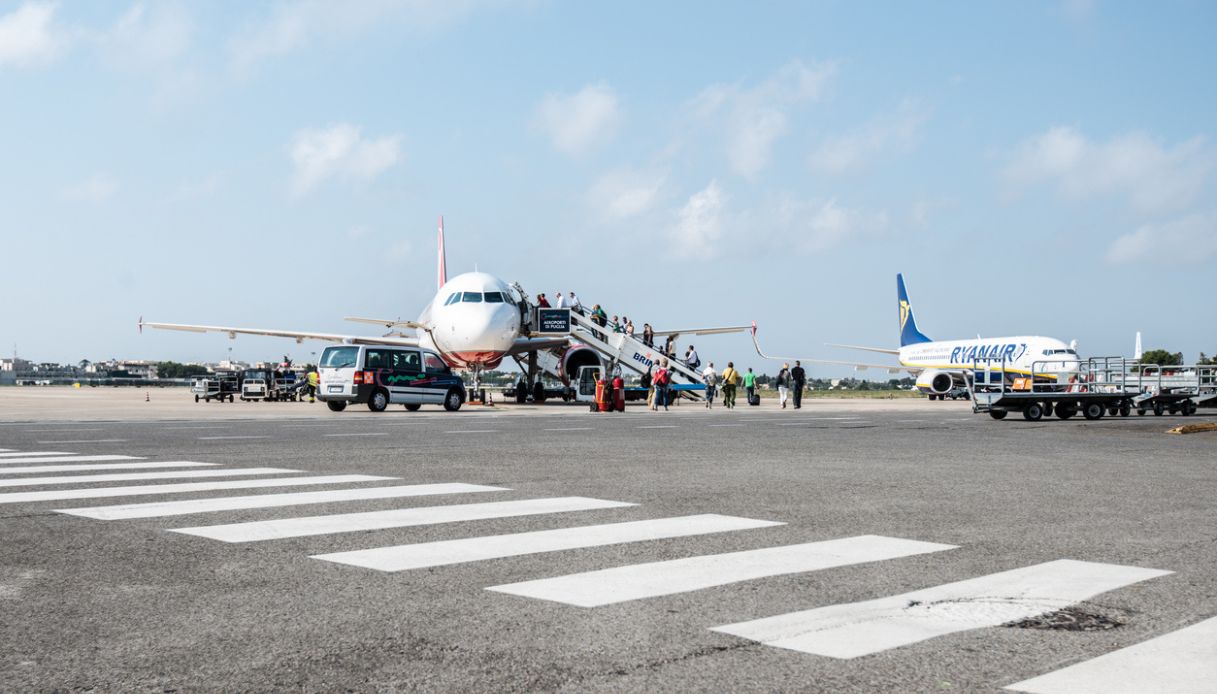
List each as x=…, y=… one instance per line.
x=85, y=362
x=172, y=369
x=1208, y=361
x=1161, y=357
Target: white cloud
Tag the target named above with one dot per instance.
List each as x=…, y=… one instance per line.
x=699, y=224
x=858, y=149
x=98, y=188
x=27, y=36
x=625, y=193
x=294, y=26
x=1153, y=176
x=811, y=226
x=753, y=119
x=340, y=152
x=148, y=37
x=579, y=122
x=1192, y=239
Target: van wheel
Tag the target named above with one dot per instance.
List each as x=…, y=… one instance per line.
x=196, y=398
x=379, y=400
x=413, y=407
x=453, y=400
x=336, y=405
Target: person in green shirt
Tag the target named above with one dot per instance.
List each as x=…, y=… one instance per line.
x=750, y=384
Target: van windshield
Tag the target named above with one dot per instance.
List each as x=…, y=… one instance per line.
x=339, y=357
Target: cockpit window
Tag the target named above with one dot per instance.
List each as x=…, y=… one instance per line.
x=453, y=298
x=494, y=297
x=472, y=297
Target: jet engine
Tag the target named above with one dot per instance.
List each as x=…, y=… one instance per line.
x=935, y=381
x=575, y=358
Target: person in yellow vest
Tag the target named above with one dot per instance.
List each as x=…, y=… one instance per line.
x=730, y=380
x=312, y=385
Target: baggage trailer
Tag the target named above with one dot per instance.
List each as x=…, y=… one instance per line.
x=219, y=387
x=1175, y=389
x=1102, y=385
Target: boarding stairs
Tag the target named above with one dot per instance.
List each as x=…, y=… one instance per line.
x=619, y=348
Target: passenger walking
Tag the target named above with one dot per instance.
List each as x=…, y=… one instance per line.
x=648, y=335
x=559, y=300
x=599, y=317
x=710, y=378
x=669, y=347
x=542, y=302
x=629, y=327
x=730, y=380
x=663, y=379
x=575, y=305
x=615, y=325
x=797, y=378
x=692, y=359
x=783, y=384
x=750, y=384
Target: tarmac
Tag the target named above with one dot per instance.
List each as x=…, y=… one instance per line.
x=155, y=544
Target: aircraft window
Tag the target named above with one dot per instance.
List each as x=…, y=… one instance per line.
x=1074, y=352
x=472, y=297
x=339, y=357
x=453, y=298
x=494, y=297
x=434, y=364
x=406, y=361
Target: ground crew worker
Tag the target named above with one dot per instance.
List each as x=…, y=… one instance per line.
x=312, y=385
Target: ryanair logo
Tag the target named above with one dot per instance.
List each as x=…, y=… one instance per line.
x=904, y=313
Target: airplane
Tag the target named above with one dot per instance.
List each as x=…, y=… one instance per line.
x=473, y=323
x=939, y=365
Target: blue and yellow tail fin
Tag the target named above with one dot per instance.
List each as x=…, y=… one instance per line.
x=909, y=334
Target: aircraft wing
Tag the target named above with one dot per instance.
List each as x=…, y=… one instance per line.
x=531, y=344
x=388, y=322
x=702, y=331
x=881, y=350
x=890, y=368
x=295, y=335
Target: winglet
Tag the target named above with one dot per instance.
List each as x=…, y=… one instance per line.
x=442, y=273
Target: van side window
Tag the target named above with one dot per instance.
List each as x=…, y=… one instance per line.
x=435, y=365
x=376, y=359
x=406, y=361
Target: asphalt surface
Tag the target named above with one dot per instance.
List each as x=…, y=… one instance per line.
x=123, y=605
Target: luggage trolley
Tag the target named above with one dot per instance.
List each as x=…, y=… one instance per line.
x=1101, y=385
x=1175, y=389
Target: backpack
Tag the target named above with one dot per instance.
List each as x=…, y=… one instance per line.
x=661, y=377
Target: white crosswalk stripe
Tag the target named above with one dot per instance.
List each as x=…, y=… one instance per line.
x=183, y=487
x=133, y=476
x=67, y=459
x=18, y=454
x=158, y=509
x=396, y=518
x=417, y=556
x=35, y=469
x=1181, y=662
x=862, y=628
x=638, y=581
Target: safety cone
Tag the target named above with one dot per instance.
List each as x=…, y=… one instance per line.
x=490, y=399
x=147, y=396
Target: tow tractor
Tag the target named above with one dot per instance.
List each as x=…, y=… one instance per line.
x=255, y=384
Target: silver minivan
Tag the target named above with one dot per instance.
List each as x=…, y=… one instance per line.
x=381, y=375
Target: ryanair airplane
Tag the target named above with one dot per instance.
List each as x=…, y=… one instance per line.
x=939, y=365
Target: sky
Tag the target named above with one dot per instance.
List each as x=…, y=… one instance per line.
x=1039, y=168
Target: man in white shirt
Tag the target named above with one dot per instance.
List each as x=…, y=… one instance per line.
x=560, y=301
x=710, y=378
x=574, y=303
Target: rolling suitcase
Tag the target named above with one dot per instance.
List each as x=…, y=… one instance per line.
x=754, y=400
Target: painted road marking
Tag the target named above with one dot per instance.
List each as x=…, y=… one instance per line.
x=132, y=476
x=474, y=431
x=1183, y=661
x=365, y=433
x=403, y=557
x=396, y=518
x=862, y=628
x=147, y=489
x=660, y=426
x=572, y=429
x=158, y=509
x=69, y=459
x=639, y=581
x=59, y=431
x=35, y=469
x=45, y=443
x=31, y=454
x=725, y=425
x=224, y=438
